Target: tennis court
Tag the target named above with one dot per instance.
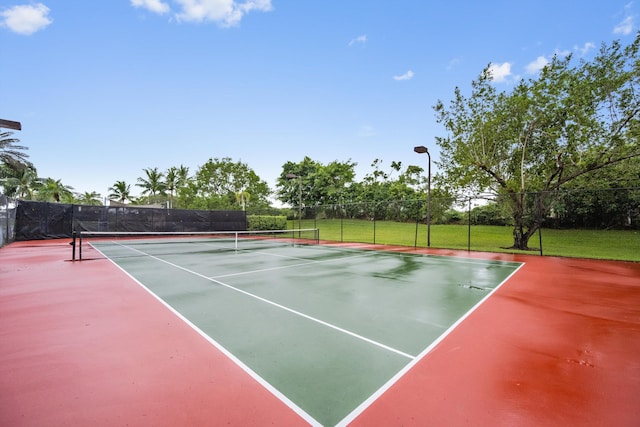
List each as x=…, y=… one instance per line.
x=326, y=328
x=284, y=333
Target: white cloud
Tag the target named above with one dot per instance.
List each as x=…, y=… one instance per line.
x=453, y=63
x=584, y=49
x=536, y=65
x=563, y=53
x=500, y=72
x=156, y=6
x=358, y=40
x=26, y=19
x=366, y=131
x=625, y=27
x=226, y=13
x=406, y=76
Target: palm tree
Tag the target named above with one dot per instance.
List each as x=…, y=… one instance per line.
x=121, y=191
x=54, y=190
x=175, y=179
x=242, y=197
x=171, y=182
x=90, y=198
x=19, y=183
x=183, y=175
x=10, y=153
x=153, y=185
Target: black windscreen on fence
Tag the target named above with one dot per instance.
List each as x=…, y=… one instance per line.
x=41, y=220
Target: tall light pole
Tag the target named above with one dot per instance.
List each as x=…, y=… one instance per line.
x=420, y=150
x=299, y=178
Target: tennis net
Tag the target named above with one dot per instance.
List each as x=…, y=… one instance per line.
x=121, y=244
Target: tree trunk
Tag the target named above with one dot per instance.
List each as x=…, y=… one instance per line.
x=525, y=226
x=520, y=237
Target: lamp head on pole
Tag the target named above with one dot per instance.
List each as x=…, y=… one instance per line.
x=421, y=149
x=10, y=124
x=292, y=176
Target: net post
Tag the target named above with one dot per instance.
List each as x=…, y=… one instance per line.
x=236, y=241
x=80, y=245
x=73, y=245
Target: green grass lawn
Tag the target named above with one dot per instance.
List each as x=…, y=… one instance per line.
x=601, y=244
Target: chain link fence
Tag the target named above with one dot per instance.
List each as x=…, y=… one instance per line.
x=7, y=220
x=578, y=223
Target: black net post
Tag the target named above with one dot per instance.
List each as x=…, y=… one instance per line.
x=73, y=245
x=539, y=213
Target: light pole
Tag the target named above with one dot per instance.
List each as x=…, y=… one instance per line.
x=299, y=178
x=420, y=150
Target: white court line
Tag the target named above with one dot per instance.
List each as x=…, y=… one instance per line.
x=250, y=250
x=287, y=266
x=275, y=304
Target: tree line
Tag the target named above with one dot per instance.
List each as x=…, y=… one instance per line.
x=222, y=183
x=570, y=128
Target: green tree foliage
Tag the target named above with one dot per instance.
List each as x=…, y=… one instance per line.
x=611, y=204
x=218, y=183
x=120, y=192
x=395, y=194
x=11, y=154
x=19, y=182
x=176, y=178
x=14, y=167
x=53, y=190
x=320, y=184
x=153, y=186
x=91, y=198
x=569, y=122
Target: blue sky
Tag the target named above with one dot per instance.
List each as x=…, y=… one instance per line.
x=106, y=88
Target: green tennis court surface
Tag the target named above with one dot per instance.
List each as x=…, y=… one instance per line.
x=325, y=328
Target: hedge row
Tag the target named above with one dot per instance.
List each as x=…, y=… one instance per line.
x=266, y=222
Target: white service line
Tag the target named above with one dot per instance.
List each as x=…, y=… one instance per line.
x=275, y=304
x=213, y=245
x=288, y=266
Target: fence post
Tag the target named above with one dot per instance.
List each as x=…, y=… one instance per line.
x=469, y=228
x=540, y=225
x=375, y=208
x=342, y=211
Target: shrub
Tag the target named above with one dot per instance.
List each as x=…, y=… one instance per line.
x=266, y=222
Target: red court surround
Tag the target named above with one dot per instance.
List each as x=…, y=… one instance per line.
x=83, y=344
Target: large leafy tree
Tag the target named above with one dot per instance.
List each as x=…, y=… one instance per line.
x=217, y=184
x=319, y=184
x=569, y=122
